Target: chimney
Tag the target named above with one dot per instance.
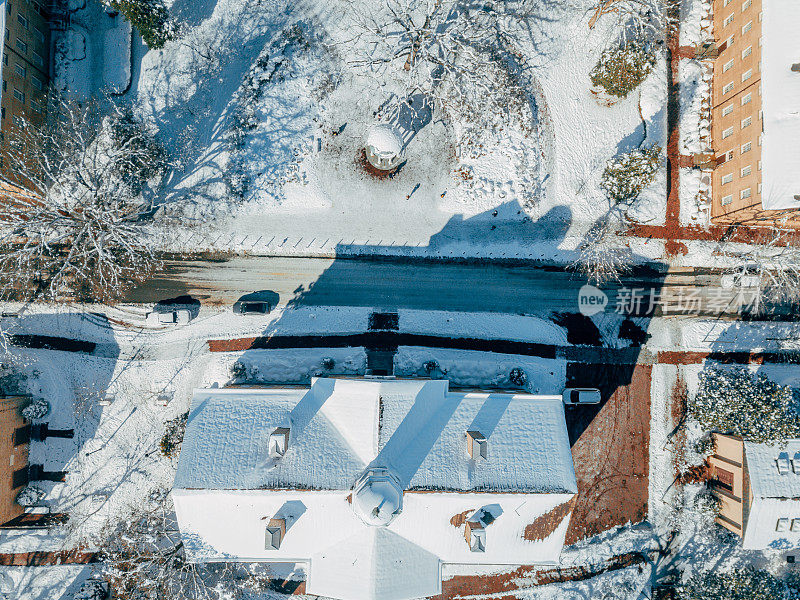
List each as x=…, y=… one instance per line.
x=278, y=442
x=276, y=529
x=475, y=534
x=477, y=446
x=796, y=67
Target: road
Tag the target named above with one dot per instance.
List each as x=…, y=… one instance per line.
x=403, y=284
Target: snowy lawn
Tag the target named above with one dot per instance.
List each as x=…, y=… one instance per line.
x=267, y=117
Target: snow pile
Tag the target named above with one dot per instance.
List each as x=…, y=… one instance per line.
x=30, y=495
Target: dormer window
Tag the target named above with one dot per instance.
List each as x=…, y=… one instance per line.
x=279, y=442
x=477, y=445
x=782, y=463
x=276, y=529
x=475, y=534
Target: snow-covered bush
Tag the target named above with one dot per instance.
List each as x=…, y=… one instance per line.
x=627, y=175
x=741, y=584
x=37, y=409
x=746, y=404
x=620, y=70
x=92, y=590
x=30, y=495
x=518, y=377
x=173, y=435
x=150, y=17
x=328, y=363
x=80, y=229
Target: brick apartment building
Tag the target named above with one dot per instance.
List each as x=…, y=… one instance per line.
x=24, y=67
x=755, y=122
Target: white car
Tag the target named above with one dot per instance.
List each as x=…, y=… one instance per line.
x=581, y=396
x=748, y=280
x=179, y=316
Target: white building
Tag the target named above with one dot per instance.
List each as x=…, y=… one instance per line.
x=374, y=484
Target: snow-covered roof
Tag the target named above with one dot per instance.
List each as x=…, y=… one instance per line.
x=766, y=480
x=382, y=436
x=339, y=426
x=774, y=474
x=384, y=141
x=780, y=154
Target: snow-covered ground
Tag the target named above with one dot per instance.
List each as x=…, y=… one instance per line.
x=266, y=118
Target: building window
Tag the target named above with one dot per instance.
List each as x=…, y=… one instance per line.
x=19, y=95
x=729, y=155
x=4, y=85
x=7, y=32
x=18, y=121
x=727, y=133
x=729, y=42
x=745, y=171
x=723, y=478
x=20, y=70
x=746, y=4
x=39, y=34
x=727, y=110
x=727, y=199
x=746, y=147
x=38, y=108
x=727, y=66
x=726, y=179
x=747, y=27
x=22, y=46
x=38, y=60
x=37, y=83
x=747, y=98
x=782, y=525
x=3, y=113
x=22, y=20
x=746, y=122
x=727, y=88
x=747, y=51
x=745, y=193
x=9, y=7
x=728, y=20
x=747, y=74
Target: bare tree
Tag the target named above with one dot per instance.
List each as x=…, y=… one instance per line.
x=645, y=20
x=604, y=256
x=769, y=268
x=144, y=558
x=75, y=224
x=459, y=54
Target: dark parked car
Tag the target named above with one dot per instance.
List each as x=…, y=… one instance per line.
x=251, y=307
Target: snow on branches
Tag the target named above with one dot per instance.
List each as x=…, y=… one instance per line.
x=150, y=17
x=76, y=224
x=621, y=69
x=37, y=409
x=741, y=584
x=603, y=255
x=458, y=54
x=772, y=262
x=627, y=175
x=144, y=558
x=745, y=404
x=639, y=19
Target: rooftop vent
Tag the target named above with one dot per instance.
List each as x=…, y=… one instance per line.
x=477, y=446
x=278, y=442
x=783, y=463
x=475, y=534
x=276, y=529
x=796, y=67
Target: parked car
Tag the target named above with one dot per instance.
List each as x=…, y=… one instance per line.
x=741, y=280
x=581, y=396
x=179, y=316
x=251, y=307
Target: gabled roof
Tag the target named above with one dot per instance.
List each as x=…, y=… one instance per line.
x=374, y=564
x=339, y=426
x=765, y=479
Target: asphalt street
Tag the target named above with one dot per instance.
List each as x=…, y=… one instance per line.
x=423, y=285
